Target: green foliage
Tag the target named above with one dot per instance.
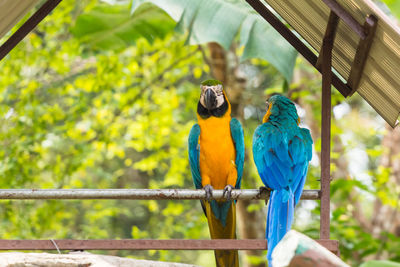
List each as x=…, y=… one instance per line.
x=220, y=21
x=109, y=104
x=394, y=7
x=111, y=27
x=380, y=264
x=114, y=120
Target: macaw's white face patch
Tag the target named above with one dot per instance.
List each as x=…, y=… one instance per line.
x=216, y=90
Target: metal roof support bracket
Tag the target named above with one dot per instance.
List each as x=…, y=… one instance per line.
x=363, y=48
x=27, y=27
x=286, y=33
x=326, y=65
x=366, y=33
x=346, y=17
x=331, y=27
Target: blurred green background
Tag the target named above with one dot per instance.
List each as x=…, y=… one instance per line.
x=103, y=95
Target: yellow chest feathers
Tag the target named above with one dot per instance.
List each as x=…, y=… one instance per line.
x=217, y=152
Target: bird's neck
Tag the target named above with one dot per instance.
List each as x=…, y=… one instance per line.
x=282, y=120
x=210, y=116
x=222, y=111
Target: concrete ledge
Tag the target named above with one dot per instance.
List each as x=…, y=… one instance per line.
x=76, y=259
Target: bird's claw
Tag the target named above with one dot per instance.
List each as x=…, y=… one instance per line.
x=209, y=191
x=228, y=191
x=264, y=190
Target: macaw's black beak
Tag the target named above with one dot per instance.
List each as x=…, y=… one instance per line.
x=210, y=99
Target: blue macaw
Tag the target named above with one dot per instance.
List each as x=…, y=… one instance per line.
x=216, y=156
x=281, y=151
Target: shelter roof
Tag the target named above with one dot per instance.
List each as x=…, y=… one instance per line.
x=380, y=79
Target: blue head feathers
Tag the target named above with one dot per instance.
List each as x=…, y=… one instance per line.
x=280, y=108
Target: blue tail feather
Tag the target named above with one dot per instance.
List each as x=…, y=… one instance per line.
x=220, y=210
x=279, y=218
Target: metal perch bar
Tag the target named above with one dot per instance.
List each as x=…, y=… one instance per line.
x=145, y=244
x=137, y=194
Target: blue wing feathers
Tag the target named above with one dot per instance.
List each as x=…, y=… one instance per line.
x=194, y=155
x=281, y=156
x=307, y=142
x=299, y=187
x=238, y=140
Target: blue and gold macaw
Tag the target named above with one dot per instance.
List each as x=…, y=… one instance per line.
x=281, y=151
x=216, y=155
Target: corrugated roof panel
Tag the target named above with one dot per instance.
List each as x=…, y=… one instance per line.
x=390, y=113
x=11, y=11
x=380, y=80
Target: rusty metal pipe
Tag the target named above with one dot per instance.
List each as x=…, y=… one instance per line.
x=145, y=244
x=156, y=194
x=326, y=114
